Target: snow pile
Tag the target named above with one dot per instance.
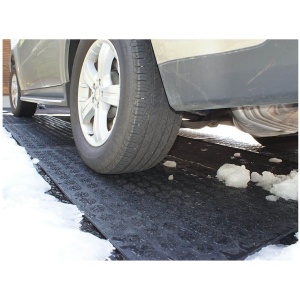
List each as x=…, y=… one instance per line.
x=170, y=164
x=233, y=175
x=34, y=225
x=275, y=160
x=277, y=252
x=284, y=186
x=266, y=180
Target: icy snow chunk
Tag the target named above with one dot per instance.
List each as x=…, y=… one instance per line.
x=272, y=198
x=35, y=161
x=284, y=186
x=170, y=164
x=233, y=175
x=171, y=177
x=287, y=188
x=275, y=160
x=237, y=154
x=266, y=180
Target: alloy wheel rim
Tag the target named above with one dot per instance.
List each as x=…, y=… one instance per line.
x=14, y=90
x=99, y=92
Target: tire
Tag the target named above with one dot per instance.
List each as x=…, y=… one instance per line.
x=138, y=127
x=18, y=107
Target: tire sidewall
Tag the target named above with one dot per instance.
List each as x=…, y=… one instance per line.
x=99, y=157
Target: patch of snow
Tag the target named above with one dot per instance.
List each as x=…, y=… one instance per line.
x=171, y=177
x=277, y=252
x=272, y=198
x=36, y=226
x=170, y=164
x=237, y=154
x=275, y=160
x=35, y=161
x=233, y=175
x=284, y=186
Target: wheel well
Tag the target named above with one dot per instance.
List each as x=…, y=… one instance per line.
x=12, y=61
x=72, y=52
x=71, y=56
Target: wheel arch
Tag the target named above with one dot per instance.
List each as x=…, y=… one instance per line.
x=71, y=50
x=12, y=61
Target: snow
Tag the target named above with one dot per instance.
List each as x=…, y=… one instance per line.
x=284, y=186
x=170, y=164
x=277, y=252
x=271, y=198
x=233, y=175
x=275, y=160
x=266, y=180
x=38, y=226
x=237, y=154
x=35, y=161
x=171, y=177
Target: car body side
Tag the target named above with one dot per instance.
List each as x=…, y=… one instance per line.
x=197, y=74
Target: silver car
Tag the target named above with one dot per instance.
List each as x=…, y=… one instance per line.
x=128, y=98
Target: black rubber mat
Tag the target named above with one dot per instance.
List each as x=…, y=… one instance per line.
x=148, y=217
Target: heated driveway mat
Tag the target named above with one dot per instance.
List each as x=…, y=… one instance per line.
x=148, y=217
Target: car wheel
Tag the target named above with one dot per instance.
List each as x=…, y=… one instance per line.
x=19, y=108
x=120, y=116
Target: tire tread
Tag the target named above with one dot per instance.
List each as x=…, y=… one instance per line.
x=154, y=124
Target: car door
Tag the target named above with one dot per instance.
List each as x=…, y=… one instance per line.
x=27, y=64
x=51, y=62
